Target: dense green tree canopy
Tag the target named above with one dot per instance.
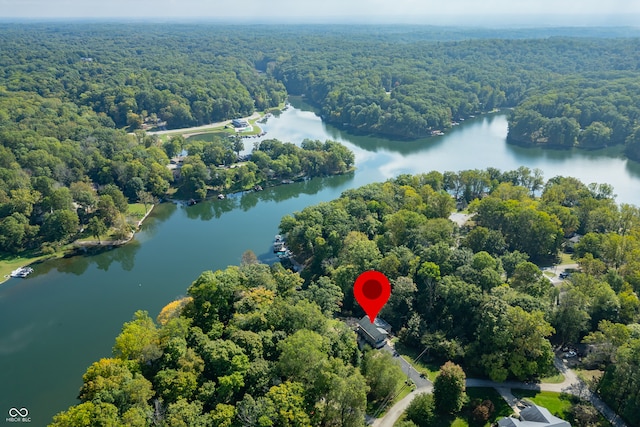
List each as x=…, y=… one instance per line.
x=256, y=345
x=449, y=389
x=68, y=91
x=471, y=294
x=241, y=350
x=590, y=111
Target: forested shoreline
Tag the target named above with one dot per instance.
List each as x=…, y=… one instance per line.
x=75, y=97
x=70, y=92
x=408, y=90
x=258, y=345
x=582, y=111
x=473, y=294
x=215, y=166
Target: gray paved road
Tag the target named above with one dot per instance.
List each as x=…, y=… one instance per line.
x=423, y=385
x=571, y=384
x=396, y=411
x=409, y=370
x=558, y=269
x=195, y=129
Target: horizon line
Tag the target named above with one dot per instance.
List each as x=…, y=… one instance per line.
x=489, y=21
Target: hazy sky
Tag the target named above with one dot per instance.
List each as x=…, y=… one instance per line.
x=424, y=11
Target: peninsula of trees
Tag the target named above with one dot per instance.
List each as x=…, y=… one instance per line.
x=214, y=165
x=474, y=295
x=255, y=345
x=582, y=111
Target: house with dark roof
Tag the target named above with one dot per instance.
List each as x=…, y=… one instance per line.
x=375, y=333
x=240, y=123
x=534, y=416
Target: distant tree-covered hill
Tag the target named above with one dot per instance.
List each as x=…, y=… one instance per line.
x=69, y=92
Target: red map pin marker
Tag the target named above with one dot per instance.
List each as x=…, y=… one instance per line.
x=372, y=291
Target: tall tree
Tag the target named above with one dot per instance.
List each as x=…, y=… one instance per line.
x=382, y=374
x=96, y=227
x=449, y=389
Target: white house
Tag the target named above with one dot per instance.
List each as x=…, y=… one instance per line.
x=534, y=416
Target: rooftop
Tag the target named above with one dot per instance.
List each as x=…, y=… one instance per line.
x=534, y=416
x=374, y=331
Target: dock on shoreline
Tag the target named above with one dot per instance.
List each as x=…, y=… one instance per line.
x=7, y=266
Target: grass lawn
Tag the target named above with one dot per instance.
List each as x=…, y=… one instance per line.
x=209, y=136
x=215, y=133
x=427, y=368
x=137, y=210
x=502, y=409
x=8, y=264
x=557, y=403
x=566, y=258
x=553, y=379
x=589, y=375
x=222, y=131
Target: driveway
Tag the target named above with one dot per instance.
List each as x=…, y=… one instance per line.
x=396, y=411
x=196, y=129
x=460, y=218
x=571, y=384
x=559, y=269
x=409, y=370
x=423, y=385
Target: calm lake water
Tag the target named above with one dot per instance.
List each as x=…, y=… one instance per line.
x=65, y=316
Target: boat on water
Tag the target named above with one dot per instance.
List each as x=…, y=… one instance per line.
x=22, y=272
x=278, y=244
x=284, y=254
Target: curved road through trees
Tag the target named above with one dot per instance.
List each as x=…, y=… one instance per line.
x=571, y=384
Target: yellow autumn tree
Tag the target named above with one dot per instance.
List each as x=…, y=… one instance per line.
x=173, y=309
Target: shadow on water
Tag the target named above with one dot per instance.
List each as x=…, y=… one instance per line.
x=103, y=257
x=374, y=144
x=633, y=168
x=160, y=214
x=560, y=154
x=248, y=200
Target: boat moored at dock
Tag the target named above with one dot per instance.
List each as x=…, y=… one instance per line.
x=21, y=272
